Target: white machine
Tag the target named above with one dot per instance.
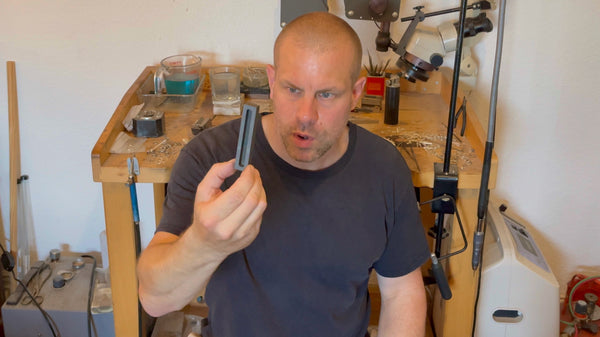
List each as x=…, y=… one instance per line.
x=519, y=294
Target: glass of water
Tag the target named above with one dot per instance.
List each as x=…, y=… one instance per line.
x=225, y=86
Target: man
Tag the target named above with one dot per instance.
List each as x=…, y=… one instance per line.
x=340, y=203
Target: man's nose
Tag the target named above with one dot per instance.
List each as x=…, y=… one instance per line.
x=307, y=113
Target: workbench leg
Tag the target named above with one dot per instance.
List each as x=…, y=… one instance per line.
x=159, y=199
x=122, y=259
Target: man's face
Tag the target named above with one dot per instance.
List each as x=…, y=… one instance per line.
x=312, y=95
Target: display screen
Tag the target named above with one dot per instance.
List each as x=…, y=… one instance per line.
x=527, y=245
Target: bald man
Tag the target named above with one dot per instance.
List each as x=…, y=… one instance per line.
x=286, y=247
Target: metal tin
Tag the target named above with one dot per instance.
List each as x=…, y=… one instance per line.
x=149, y=123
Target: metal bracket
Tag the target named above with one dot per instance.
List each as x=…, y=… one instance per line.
x=401, y=46
x=291, y=9
x=444, y=184
x=133, y=167
x=361, y=10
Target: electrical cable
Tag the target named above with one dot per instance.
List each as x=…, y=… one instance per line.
x=376, y=24
x=489, y=144
x=392, y=42
x=132, y=164
x=479, y=235
x=90, y=295
x=477, y=295
x=8, y=263
x=570, y=300
x=51, y=324
x=26, y=300
x=585, y=280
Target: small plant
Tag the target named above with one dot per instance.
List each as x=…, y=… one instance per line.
x=377, y=69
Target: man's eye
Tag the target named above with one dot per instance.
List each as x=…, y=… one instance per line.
x=326, y=95
x=293, y=91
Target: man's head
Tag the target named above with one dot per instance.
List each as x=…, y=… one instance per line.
x=322, y=32
x=314, y=85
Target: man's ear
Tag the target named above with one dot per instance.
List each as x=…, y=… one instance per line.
x=271, y=77
x=357, y=90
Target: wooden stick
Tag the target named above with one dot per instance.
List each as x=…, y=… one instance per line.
x=15, y=151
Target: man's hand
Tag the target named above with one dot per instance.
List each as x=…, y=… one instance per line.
x=174, y=269
x=229, y=221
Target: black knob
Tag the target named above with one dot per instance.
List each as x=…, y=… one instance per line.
x=378, y=6
x=476, y=25
x=436, y=60
x=58, y=281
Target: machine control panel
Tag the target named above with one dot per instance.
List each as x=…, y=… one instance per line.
x=525, y=244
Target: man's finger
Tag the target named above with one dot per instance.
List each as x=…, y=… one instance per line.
x=213, y=180
x=255, y=217
x=228, y=202
x=250, y=209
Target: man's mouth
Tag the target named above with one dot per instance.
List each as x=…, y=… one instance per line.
x=302, y=136
x=303, y=140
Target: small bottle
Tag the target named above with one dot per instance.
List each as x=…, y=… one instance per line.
x=392, y=100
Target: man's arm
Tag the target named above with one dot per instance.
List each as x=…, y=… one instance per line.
x=403, y=305
x=172, y=270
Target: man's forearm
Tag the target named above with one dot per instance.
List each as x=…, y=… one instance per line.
x=402, y=320
x=403, y=311
x=171, y=275
x=172, y=270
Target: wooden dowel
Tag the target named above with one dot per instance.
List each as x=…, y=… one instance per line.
x=15, y=151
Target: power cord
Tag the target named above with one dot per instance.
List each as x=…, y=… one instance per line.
x=476, y=305
x=8, y=263
x=49, y=320
x=90, y=318
x=39, y=284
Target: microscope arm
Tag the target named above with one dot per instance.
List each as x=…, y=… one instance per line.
x=423, y=50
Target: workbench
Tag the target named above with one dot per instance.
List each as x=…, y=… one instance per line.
x=420, y=136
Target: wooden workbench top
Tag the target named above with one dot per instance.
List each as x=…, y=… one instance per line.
x=420, y=135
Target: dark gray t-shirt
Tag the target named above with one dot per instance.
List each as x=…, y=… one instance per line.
x=307, y=272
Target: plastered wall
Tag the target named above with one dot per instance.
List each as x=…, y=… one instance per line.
x=75, y=60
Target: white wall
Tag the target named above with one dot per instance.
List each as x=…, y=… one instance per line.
x=76, y=59
x=548, y=117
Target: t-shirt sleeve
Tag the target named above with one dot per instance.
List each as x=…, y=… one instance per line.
x=407, y=247
x=178, y=208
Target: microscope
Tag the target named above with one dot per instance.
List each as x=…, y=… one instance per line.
x=421, y=49
x=426, y=48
